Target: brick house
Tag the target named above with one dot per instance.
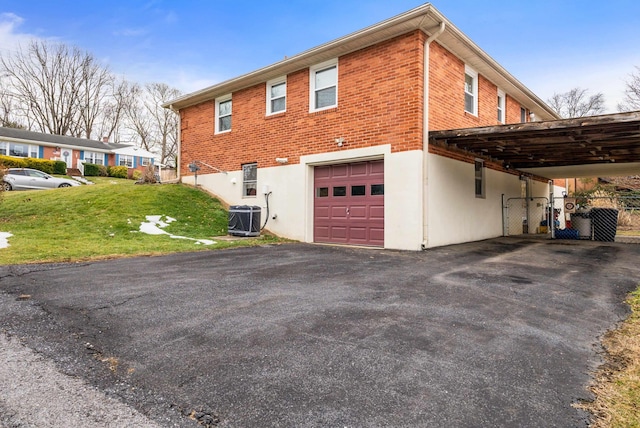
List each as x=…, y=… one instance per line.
x=338, y=136
x=21, y=143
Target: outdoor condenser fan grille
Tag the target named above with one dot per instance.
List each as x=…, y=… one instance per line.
x=244, y=220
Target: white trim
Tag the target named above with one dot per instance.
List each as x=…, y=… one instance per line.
x=220, y=100
x=502, y=106
x=270, y=84
x=468, y=71
x=312, y=84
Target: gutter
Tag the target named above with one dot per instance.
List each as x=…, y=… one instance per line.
x=425, y=132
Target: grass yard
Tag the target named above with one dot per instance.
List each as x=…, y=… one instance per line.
x=103, y=221
x=617, y=387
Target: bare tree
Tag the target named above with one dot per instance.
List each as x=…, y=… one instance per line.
x=632, y=93
x=577, y=103
x=113, y=120
x=156, y=127
x=57, y=89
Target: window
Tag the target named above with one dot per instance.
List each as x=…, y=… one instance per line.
x=470, y=91
x=250, y=179
x=523, y=114
x=94, y=158
x=501, y=106
x=324, y=86
x=22, y=150
x=377, y=189
x=479, y=178
x=145, y=161
x=125, y=160
x=3, y=148
x=359, y=190
x=223, y=114
x=340, y=191
x=276, y=96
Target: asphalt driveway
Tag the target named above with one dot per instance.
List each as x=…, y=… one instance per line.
x=498, y=333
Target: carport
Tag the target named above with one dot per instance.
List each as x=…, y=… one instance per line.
x=596, y=146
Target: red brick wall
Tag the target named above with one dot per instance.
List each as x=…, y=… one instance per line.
x=380, y=101
x=446, y=95
x=380, y=94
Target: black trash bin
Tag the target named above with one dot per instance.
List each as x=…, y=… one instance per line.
x=605, y=224
x=244, y=220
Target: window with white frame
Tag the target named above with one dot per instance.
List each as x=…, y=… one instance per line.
x=324, y=85
x=125, y=160
x=3, y=148
x=501, y=106
x=145, y=161
x=277, y=96
x=94, y=158
x=22, y=150
x=470, y=91
x=223, y=114
x=249, y=179
x=479, y=178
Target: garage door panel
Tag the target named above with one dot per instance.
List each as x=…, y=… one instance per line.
x=359, y=169
x=349, y=203
x=376, y=212
x=322, y=233
x=339, y=211
x=358, y=211
x=339, y=232
x=322, y=212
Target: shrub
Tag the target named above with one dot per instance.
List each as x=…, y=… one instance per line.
x=102, y=171
x=41, y=165
x=59, y=167
x=11, y=162
x=137, y=175
x=91, y=170
x=118, y=171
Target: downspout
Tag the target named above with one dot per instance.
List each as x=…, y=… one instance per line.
x=178, y=151
x=425, y=142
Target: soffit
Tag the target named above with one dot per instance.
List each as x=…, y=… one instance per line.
x=606, y=145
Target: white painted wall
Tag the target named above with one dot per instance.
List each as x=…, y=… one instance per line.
x=291, y=199
x=454, y=214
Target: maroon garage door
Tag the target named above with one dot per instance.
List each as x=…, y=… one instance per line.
x=349, y=203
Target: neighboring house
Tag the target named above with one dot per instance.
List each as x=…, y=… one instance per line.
x=72, y=151
x=338, y=136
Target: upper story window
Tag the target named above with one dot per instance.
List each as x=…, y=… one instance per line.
x=223, y=114
x=470, y=91
x=324, y=85
x=501, y=106
x=94, y=158
x=125, y=160
x=249, y=179
x=277, y=96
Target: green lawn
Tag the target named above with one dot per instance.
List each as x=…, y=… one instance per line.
x=103, y=221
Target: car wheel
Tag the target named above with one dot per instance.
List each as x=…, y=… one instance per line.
x=6, y=186
x=65, y=185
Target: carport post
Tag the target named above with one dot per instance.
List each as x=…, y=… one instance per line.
x=551, y=219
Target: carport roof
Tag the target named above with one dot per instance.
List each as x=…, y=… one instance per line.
x=580, y=147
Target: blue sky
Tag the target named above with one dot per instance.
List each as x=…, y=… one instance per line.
x=550, y=46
